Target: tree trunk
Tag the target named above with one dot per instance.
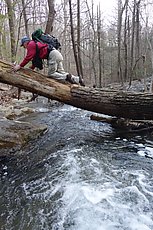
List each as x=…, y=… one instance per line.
x=119, y=28
x=132, y=42
x=78, y=39
x=93, y=43
x=73, y=39
x=11, y=28
x=99, y=46
x=114, y=103
x=51, y=16
x=25, y=18
x=125, y=45
x=119, y=37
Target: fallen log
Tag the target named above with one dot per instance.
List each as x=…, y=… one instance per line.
x=111, y=102
x=127, y=125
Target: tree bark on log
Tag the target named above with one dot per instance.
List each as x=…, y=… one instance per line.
x=110, y=102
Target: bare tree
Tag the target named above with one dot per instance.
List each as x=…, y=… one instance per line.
x=78, y=39
x=126, y=44
x=99, y=45
x=93, y=37
x=73, y=39
x=137, y=53
x=111, y=53
x=11, y=28
x=121, y=9
x=25, y=17
x=51, y=16
x=132, y=42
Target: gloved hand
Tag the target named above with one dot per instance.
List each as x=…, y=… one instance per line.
x=16, y=67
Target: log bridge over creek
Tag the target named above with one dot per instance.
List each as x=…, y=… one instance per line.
x=121, y=104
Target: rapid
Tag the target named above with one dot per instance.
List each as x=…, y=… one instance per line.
x=79, y=175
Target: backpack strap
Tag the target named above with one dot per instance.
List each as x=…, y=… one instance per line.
x=37, y=61
x=37, y=50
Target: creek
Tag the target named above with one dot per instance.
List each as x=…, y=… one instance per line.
x=79, y=175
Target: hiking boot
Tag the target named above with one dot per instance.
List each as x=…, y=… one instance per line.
x=81, y=81
x=74, y=79
x=69, y=78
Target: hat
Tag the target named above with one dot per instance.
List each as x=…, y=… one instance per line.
x=24, y=39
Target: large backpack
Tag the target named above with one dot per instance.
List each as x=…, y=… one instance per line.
x=39, y=35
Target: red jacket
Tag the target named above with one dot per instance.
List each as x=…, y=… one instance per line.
x=31, y=52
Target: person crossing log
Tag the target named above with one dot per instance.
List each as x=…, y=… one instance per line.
x=110, y=102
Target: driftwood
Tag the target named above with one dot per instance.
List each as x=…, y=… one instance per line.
x=110, y=102
x=127, y=125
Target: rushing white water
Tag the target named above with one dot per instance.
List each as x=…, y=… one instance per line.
x=92, y=194
x=94, y=180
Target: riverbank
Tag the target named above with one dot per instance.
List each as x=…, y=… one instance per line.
x=16, y=131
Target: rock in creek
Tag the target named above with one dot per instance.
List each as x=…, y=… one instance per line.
x=16, y=134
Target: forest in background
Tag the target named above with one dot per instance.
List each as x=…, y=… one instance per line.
x=119, y=51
